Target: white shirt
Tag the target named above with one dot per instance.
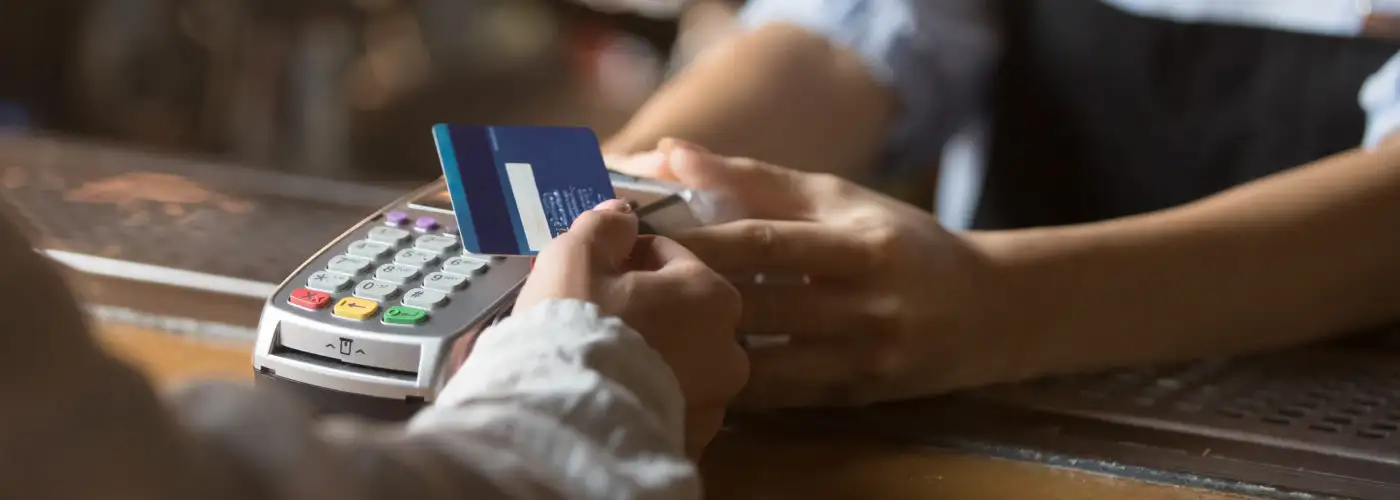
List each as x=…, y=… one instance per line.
x=938, y=54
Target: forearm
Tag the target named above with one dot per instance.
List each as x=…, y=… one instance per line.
x=1287, y=259
x=779, y=94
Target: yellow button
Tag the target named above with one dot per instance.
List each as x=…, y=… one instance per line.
x=355, y=308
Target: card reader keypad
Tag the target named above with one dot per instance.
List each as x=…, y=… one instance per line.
x=393, y=274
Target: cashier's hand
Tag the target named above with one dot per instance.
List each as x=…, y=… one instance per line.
x=875, y=298
x=686, y=311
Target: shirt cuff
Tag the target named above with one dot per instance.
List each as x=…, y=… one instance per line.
x=1380, y=98
x=552, y=355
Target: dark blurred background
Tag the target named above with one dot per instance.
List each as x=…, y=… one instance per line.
x=334, y=88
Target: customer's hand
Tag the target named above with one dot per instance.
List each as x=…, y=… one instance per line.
x=891, y=304
x=685, y=311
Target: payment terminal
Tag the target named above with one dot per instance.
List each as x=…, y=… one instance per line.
x=378, y=320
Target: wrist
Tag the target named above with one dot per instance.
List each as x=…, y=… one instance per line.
x=1101, y=295
x=1027, y=298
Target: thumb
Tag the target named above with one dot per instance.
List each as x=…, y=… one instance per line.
x=759, y=190
x=607, y=233
x=647, y=165
x=573, y=264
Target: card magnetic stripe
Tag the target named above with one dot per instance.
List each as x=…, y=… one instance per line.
x=482, y=191
x=515, y=222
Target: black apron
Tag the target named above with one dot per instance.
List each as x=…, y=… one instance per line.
x=1098, y=113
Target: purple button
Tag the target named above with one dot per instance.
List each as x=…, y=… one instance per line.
x=426, y=223
x=395, y=218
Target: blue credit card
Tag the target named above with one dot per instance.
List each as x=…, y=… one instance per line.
x=514, y=189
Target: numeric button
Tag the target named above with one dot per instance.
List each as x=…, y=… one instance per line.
x=424, y=298
x=327, y=281
x=391, y=235
x=465, y=266
x=376, y=290
x=396, y=273
x=369, y=249
x=348, y=264
x=435, y=243
x=416, y=258
x=444, y=282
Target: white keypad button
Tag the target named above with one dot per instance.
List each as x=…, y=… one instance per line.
x=396, y=273
x=435, y=243
x=391, y=235
x=375, y=290
x=327, y=281
x=465, y=266
x=416, y=258
x=348, y=264
x=369, y=249
x=444, y=282
x=424, y=298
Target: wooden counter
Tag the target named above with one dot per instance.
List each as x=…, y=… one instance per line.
x=741, y=466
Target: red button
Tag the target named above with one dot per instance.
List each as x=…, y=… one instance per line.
x=309, y=299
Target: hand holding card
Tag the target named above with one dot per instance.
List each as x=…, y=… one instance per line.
x=686, y=312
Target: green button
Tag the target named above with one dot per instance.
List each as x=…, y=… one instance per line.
x=403, y=315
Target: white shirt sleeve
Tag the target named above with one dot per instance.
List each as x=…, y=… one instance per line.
x=937, y=55
x=1380, y=98
x=554, y=403
x=561, y=398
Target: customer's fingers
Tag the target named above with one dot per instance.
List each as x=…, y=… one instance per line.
x=654, y=253
x=605, y=234
x=673, y=273
x=596, y=247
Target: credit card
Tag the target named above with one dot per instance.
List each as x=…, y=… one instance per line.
x=514, y=189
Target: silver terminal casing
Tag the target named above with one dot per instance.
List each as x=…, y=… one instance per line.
x=411, y=363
